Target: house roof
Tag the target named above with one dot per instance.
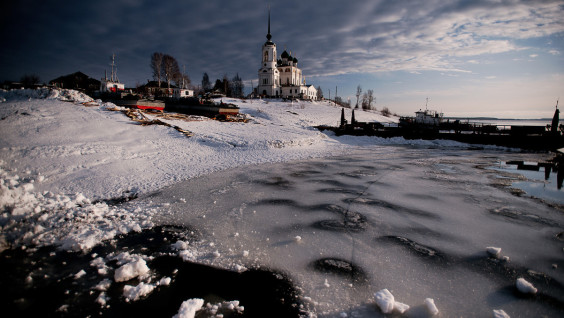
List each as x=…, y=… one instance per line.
x=76, y=80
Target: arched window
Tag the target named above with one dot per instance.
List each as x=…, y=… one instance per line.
x=265, y=56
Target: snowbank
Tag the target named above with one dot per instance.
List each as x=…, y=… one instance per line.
x=71, y=221
x=65, y=95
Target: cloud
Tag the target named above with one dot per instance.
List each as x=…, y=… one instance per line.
x=533, y=55
x=219, y=37
x=427, y=36
x=554, y=52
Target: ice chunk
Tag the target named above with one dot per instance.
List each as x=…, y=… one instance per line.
x=180, y=245
x=79, y=274
x=525, y=287
x=131, y=270
x=493, y=251
x=387, y=303
x=102, y=299
x=499, y=313
x=103, y=285
x=189, y=307
x=133, y=293
x=385, y=300
x=400, y=307
x=165, y=281
x=431, y=308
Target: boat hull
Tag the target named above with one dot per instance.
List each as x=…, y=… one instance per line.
x=141, y=104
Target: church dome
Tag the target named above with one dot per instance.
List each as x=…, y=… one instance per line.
x=295, y=60
x=284, y=54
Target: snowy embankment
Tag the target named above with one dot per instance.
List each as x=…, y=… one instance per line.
x=62, y=153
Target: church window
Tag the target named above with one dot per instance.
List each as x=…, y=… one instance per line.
x=287, y=70
x=265, y=56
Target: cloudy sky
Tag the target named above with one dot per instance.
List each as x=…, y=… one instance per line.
x=470, y=58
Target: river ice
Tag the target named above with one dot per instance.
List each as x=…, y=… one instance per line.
x=417, y=222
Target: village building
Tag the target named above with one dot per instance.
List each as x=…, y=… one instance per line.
x=77, y=80
x=152, y=88
x=281, y=78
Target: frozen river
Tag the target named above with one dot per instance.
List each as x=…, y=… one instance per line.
x=415, y=221
x=318, y=238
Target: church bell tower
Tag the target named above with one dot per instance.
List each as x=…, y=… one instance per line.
x=268, y=73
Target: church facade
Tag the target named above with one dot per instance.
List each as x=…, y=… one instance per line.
x=281, y=78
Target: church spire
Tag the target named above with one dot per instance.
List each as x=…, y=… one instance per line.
x=268, y=35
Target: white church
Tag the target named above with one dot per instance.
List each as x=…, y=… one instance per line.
x=281, y=78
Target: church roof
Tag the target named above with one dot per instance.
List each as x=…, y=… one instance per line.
x=284, y=54
x=268, y=35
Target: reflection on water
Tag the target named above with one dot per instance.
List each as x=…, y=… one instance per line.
x=543, y=180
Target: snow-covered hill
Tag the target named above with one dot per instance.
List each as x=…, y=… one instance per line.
x=103, y=154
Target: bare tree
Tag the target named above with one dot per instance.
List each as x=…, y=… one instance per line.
x=364, y=101
x=29, y=80
x=237, y=86
x=157, y=66
x=371, y=99
x=358, y=93
x=181, y=79
x=319, y=93
x=170, y=69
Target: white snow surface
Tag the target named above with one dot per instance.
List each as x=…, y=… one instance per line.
x=58, y=156
x=103, y=154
